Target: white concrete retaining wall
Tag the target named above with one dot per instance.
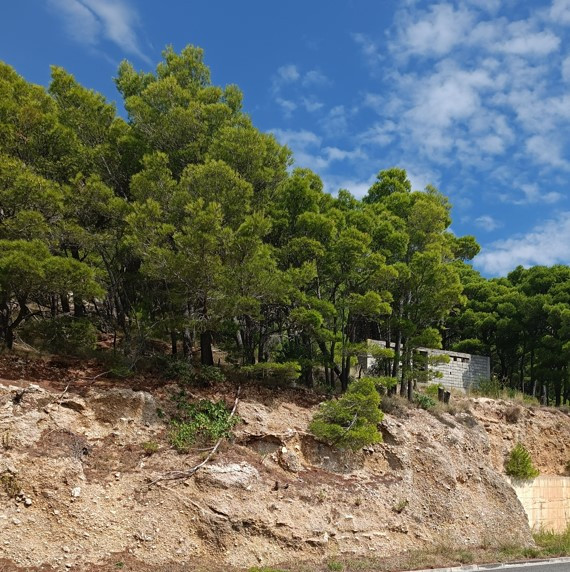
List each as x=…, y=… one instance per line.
x=546, y=501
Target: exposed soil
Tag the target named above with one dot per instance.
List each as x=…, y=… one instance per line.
x=72, y=448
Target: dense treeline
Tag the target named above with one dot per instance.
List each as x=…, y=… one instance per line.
x=185, y=223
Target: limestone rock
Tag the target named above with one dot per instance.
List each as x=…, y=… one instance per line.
x=233, y=475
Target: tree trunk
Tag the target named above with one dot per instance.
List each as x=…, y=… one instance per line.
x=65, y=304
x=532, y=378
x=187, y=341
x=173, y=342
x=206, y=354
x=9, y=338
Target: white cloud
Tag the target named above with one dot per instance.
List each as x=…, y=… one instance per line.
x=356, y=187
x=525, y=42
x=311, y=105
x=565, y=69
x=487, y=222
x=297, y=139
x=286, y=105
x=290, y=81
x=560, y=11
x=288, y=74
x=532, y=194
x=369, y=48
x=88, y=21
x=310, y=152
x=315, y=78
x=335, y=124
x=546, y=150
x=546, y=244
x=435, y=32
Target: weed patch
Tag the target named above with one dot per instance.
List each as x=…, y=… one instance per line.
x=203, y=422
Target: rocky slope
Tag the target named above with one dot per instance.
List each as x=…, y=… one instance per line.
x=75, y=492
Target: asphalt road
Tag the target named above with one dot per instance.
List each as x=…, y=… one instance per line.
x=559, y=567
x=552, y=566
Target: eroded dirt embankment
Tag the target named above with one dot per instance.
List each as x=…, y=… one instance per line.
x=272, y=495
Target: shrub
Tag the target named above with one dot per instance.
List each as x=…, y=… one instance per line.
x=513, y=413
x=149, y=447
x=210, y=374
x=63, y=335
x=351, y=421
x=383, y=383
x=432, y=390
x=520, y=464
x=488, y=388
x=10, y=484
x=179, y=370
x=202, y=422
x=424, y=401
x=395, y=405
x=288, y=372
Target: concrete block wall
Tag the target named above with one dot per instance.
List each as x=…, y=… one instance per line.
x=546, y=501
x=462, y=372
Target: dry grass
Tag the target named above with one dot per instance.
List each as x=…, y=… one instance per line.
x=548, y=545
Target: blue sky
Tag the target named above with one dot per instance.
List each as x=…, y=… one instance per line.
x=471, y=96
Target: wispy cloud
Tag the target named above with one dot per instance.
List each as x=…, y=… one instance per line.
x=290, y=87
x=531, y=193
x=546, y=244
x=310, y=151
x=89, y=22
x=487, y=222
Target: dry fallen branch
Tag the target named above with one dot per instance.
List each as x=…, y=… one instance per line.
x=176, y=475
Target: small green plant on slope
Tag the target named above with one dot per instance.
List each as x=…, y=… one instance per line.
x=149, y=448
x=202, y=422
x=520, y=464
x=350, y=422
x=424, y=401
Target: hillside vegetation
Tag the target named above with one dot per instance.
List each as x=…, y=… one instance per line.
x=183, y=226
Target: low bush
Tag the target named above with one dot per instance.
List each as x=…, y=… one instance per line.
x=384, y=384
x=553, y=544
x=149, y=447
x=63, y=335
x=350, y=422
x=432, y=390
x=288, y=372
x=395, y=405
x=519, y=464
x=10, y=484
x=203, y=422
x=424, y=401
x=513, y=413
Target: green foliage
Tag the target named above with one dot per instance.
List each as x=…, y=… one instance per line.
x=187, y=219
x=400, y=505
x=383, y=384
x=519, y=464
x=424, y=401
x=489, y=388
x=64, y=335
x=177, y=369
x=10, y=484
x=350, y=422
x=203, y=422
x=287, y=372
x=210, y=374
x=553, y=544
x=149, y=447
x=432, y=390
